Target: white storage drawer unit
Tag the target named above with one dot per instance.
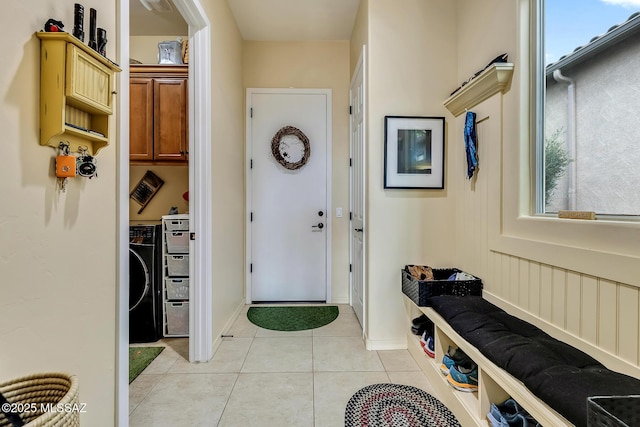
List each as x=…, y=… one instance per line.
x=177, y=318
x=177, y=242
x=176, y=224
x=177, y=289
x=175, y=282
x=177, y=265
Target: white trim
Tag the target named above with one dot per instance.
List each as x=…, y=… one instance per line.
x=248, y=190
x=360, y=67
x=122, y=221
x=394, y=344
x=200, y=205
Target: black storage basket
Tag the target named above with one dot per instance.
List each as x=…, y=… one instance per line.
x=421, y=290
x=613, y=411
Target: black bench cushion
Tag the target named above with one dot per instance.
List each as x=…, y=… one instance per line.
x=566, y=388
x=559, y=374
x=509, y=342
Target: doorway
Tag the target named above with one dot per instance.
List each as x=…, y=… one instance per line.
x=200, y=323
x=288, y=195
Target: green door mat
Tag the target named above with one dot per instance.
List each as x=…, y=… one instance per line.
x=140, y=358
x=296, y=318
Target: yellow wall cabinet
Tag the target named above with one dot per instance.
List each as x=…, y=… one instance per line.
x=77, y=85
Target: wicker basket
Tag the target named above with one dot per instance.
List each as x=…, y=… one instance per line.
x=613, y=411
x=48, y=400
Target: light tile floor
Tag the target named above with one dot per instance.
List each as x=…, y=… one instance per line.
x=267, y=378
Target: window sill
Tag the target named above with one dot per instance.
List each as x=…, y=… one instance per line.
x=496, y=78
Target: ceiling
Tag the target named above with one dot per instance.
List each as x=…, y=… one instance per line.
x=143, y=22
x=275, y=20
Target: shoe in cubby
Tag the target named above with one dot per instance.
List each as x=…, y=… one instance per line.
x=464, y=378
x=452, y=357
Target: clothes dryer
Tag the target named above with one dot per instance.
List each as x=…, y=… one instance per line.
x=145, y=290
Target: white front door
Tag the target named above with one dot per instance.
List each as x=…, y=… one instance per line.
x=357, y=190
x=289, y=227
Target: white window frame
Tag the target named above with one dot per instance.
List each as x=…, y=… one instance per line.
x=603, y=248
x=537, y=25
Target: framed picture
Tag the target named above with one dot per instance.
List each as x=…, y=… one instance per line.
x=413, y=152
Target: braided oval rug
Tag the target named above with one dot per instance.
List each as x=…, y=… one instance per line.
x=396, y=405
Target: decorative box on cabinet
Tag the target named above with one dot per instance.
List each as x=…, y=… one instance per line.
x=158, y=112
x=76, y=93
x=175, y=280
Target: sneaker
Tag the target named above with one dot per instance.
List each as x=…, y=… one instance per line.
x=428, y=344
x=452, y=357
x=496, y=418
x=510, y=414
x=463, y=378
x=430, y=347
x=421, y=324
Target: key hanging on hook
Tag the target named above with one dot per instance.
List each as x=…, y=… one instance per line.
x=65, y=165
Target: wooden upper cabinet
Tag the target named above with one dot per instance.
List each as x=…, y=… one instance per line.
x=170, y=119
x=141, y=122
x=158, y=113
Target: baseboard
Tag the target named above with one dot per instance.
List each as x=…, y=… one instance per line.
x=339, y=300
x=218, y=339
x=394, y=344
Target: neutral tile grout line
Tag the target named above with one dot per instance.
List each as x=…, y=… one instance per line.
x=313, y=371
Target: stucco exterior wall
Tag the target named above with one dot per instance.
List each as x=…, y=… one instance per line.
x=607, y=155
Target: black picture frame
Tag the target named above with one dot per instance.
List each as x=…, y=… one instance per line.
x=414, y=152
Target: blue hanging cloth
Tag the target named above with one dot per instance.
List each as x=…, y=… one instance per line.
x=471, y=143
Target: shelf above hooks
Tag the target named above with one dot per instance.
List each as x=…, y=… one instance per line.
x=496, y=78
x=76, y=93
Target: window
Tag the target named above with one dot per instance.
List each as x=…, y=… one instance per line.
x=589, y=138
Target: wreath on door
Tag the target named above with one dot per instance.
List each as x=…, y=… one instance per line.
x=290, y=147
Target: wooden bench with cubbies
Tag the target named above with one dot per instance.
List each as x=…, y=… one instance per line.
x=495, y=385
x=551, y=380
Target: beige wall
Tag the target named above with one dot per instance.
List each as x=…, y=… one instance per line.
x=58, y=251
x=359, y=34
x=176, y=182
x=315, y=65
x=411, y=72
x=227, y=158
x=145, y=48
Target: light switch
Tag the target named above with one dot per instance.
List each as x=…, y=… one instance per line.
x=338, y=212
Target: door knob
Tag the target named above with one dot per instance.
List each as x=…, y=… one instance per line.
x=320, y=226
x=320, y=213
